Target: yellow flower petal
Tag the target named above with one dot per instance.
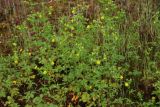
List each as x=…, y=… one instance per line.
x=53, y=40
x=16, y=62
x=33, y=76
x=153, y=98
x=126, y=84
x=52, y=62
x=77, y=54
x=73, y=11
x=14, y=44
x=98, y=62
x=102, y=17
x=121, y=77
x=14, y=82
x=72, y=28
x=21, y=50
x=45, y=72
x=88, y=26
x=29, y=53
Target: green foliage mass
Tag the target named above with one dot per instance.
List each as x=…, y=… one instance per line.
x=80, y=63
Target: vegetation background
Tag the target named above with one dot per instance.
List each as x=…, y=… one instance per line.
x=79, y=53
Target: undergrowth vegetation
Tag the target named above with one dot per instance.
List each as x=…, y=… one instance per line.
x=82, y=62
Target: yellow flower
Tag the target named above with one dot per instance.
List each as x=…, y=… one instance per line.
x=33, y=76
x=71, y=34
x=29, y=53
x=102, y=17
x=121, y=77
x=98, y=62
x=90, y=87
x=102, y=27
x=14, y=82
x=72, y=20
x=153, y=98
x=72, y=28
x=126, y=84
x=16, y=61
x=88, y=27
x=77, y=54
x=94, y=21
x=45, y=72
x=21, y=50
x=73, y=11
x=14, y=44
x=106, y=9
x=52, y=62
x=53, y=40
x=50, y=13
x=40, y=16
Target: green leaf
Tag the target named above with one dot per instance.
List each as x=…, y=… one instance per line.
x=37, y=100
x=85, y=97
x=2, y=93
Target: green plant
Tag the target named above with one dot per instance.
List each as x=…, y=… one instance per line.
x=79, y=62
